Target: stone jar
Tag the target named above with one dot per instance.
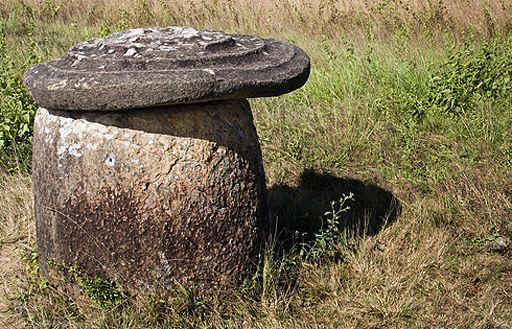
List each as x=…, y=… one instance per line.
x=147, y=168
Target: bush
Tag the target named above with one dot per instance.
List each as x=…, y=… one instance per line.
x=473, y=74
x=17, y=109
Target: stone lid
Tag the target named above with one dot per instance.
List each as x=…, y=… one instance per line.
x=161, y=66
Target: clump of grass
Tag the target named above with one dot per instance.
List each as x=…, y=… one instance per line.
x=16, y=227
x=16, y=214
x=17, y=109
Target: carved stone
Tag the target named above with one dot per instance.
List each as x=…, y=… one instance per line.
x=155, y=197
x=153, y=67
x=146, y=162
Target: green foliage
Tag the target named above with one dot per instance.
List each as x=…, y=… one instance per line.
x=492, y=236
x=330, y=237
x=472, y=74
x=17, y=109
x=36, y=283
x=103, y=292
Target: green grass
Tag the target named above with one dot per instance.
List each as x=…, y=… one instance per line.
x=416, y=109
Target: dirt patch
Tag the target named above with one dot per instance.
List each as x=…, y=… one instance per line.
x=11, y=266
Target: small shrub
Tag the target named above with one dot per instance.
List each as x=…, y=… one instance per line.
x=103, y=292
x=473, y=74
x=17, y=109
x=330, y=236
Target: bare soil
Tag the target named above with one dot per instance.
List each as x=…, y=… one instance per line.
x=10, y=267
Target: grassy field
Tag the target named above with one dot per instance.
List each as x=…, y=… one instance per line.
x=408, y=107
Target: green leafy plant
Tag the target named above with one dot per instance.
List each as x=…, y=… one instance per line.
x=105, y=293
x=17, y=109
x=492, y=236
x=473, y=73
x=330, y=236
x=30, y=258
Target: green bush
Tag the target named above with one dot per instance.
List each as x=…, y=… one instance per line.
x=472, y=74
x=17, y=109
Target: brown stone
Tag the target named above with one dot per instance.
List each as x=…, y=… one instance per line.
x=152, y=198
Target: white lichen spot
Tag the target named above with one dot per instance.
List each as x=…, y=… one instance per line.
x=108, y=137
x=188, y=32
x=209, y=71
x=81, y=128
x=165, y=48
x=62, y=149
x=110, y=161
x=135, y=161
x=73, y=150
x=59, y=85
x=92, y=147
x=130, y=52
x=63, y=145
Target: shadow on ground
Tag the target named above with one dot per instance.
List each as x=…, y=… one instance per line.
x=299, y=211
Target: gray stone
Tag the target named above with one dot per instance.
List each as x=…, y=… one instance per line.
x=146, y=162
x=154, y=198
x=162, y=66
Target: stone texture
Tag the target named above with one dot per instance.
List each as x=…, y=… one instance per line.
x=153, y=198
x=162, y=66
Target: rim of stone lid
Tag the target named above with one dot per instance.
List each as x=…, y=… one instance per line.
x=164, y=66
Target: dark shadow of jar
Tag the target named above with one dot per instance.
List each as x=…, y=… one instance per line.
x=300, y=212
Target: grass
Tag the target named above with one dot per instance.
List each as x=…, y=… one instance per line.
x=403, y=108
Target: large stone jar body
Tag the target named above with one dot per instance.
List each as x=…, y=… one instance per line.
x=152, y=197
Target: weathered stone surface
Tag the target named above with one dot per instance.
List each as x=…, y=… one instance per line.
x=162, y=66
x=164, y=196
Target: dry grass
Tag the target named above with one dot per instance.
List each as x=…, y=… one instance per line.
x=16, y=208
x=437, y=266
x=314, y=17
x=16, y=226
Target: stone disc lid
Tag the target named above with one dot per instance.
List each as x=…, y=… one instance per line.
x=161, y=66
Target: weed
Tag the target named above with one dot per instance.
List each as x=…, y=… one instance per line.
x=103, y=292
x=330, y=237
x=473, y=74
x=32, y=267
x=17, y=109
x=491, y=236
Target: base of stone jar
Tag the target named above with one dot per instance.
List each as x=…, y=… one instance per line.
x=152, y=198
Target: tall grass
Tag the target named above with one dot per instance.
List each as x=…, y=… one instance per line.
x=408, y=104
x=325, y=17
